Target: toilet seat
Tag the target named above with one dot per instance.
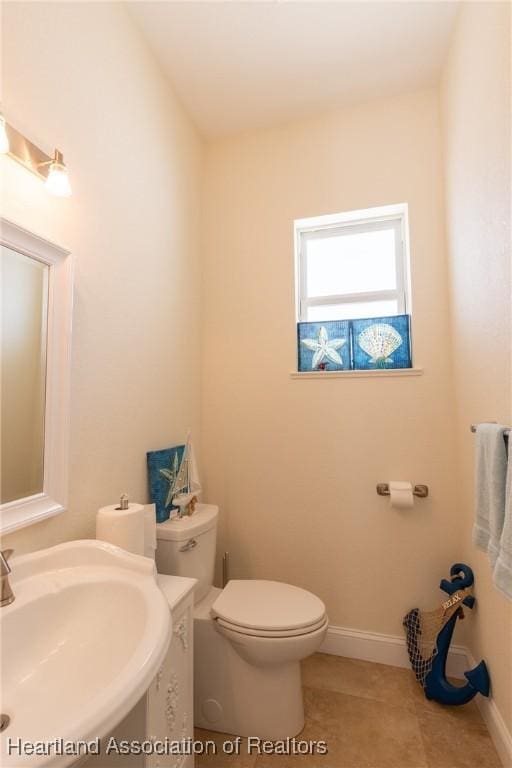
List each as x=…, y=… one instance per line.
x=268, y=609
x=270, y=633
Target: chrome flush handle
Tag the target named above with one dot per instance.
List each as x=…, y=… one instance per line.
x=191, y=544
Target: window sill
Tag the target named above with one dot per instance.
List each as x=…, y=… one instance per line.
x=377, y=374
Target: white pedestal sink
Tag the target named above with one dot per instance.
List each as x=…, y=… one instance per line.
x=80, y=644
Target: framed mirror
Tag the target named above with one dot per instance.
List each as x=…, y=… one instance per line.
x=35, y=346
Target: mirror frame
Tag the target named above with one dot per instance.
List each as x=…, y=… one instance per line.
x=54, y=496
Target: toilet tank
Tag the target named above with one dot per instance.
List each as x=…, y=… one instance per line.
x=186, y=547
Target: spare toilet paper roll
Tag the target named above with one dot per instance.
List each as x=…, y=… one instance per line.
x=122, y=527
x=400, y=493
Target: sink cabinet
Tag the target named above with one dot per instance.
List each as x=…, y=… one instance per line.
x=165, y=714
x=169, y=700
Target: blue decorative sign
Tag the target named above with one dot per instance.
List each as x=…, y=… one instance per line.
x=163, y=469
x=324, y=346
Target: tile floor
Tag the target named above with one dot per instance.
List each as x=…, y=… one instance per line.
x=373, y=716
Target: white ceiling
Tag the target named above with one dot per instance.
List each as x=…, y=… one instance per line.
x=245, y=65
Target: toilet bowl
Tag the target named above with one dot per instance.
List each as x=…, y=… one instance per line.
x=269, y=622
x=249, y=637
x=264, y=649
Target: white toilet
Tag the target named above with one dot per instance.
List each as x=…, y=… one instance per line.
x=248, y=637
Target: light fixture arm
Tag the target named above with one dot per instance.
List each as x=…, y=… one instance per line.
x=58, y=159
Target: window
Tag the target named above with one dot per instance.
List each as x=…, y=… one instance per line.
x=353, y=265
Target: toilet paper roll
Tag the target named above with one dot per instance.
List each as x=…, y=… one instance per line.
x=400, y=493
x=122, y=527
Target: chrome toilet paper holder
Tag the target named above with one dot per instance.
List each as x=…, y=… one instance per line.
x=421, y=491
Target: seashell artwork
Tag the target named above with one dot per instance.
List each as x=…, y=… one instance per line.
x=347, y=345
x=380, y=341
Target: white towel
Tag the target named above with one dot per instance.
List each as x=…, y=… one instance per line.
x=503, y=569
x=491, y=473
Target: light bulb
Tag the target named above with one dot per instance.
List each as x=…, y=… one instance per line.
x=57, y=181
x=4, y=139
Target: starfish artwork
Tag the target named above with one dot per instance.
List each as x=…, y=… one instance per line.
x=324, y=349
x=170, y=475
x=163, y=469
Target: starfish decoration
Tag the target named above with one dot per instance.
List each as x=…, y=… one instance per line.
x=324, y=349
x=170, y=476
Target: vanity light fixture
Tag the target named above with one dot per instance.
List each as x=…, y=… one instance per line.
x=57, y=181
x=52, y=170
x=4, y=139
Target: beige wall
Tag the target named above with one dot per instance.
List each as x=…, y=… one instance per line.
x=79, y=76
x=476, y=110
x=294, y=463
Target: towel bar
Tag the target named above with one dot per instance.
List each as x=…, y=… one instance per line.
x=505, y=434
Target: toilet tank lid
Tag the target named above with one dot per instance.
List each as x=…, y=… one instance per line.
x=179, y=529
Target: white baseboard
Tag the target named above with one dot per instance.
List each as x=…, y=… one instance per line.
x=392, y=650
x=497, y=728
x=383, y=649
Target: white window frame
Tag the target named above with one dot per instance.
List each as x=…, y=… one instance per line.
x=352, y=222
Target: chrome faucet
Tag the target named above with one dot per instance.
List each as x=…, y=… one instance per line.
x=6, y=593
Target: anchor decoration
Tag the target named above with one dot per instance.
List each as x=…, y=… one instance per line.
x=428, y=640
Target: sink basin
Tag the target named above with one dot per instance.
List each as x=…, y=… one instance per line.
x=80, y=645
